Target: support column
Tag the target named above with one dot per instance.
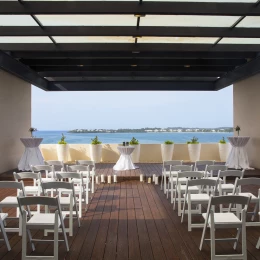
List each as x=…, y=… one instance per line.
x=246, y=94
x=15, y=119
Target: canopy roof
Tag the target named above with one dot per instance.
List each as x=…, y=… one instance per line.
x=130, y=45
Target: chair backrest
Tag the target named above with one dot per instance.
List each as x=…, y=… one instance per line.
x=230, y=199
x=57, y=185
x=204, y=184
x=48, y=168
x=69, y=175
x=203, y=163
x=13, y=185
x=190, y=174
x=245, y=181
x=86, y=163
x=230, y=173
x=27, y=175
x=78, y=168
x=172, y=163
x=216, y=167
x=181, y=168
x=58, y=165
x=35, y=200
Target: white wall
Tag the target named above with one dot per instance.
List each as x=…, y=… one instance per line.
x=15, y=118
x=247, y=115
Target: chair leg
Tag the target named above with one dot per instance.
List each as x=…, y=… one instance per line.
x=183, y=210
x=258, y=243
x=237, y=238
x=162, y=181
x=24, y=236
x=203, y=234
x=64, y=234
x=212, y=241
x=4, y=235
x=164, y=184
x=255, y=212
x=171, y=190
x=189, y=215
x=56, y=237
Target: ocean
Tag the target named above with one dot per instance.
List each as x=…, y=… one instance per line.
x=52, y=137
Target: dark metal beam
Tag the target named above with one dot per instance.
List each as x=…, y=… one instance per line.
x=113, y=7
x=137, y=86
x=129, y=68
x=136, y=61
x=131, y=73
x=129, y=47
x=16, y=68
x=129, y=31
x=243, y=72
x=130, y=55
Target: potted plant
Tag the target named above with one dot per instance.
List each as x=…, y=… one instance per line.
x=167, y=150
x=136, y=153
x=224, y=149
x=194, y=149
x=96, y=150
x=63, y=149
x=31, y=130
x=237, y=129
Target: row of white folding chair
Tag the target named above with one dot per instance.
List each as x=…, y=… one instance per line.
x=216, y=220
x=166, y=172
x=10, y=202
x=53, y=221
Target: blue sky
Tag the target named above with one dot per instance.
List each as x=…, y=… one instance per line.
x=131, y=109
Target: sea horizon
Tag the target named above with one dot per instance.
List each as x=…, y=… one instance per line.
x=53, y=136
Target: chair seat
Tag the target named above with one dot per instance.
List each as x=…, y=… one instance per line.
x=191, y=188
x=214, y=178
x=254, y=199
x=65, y=201
x=9, y=200
x=227, y=186
x=173, y=173
x=3, y=215
x=181, y=180
x=201, y=197
x=224, y=218
x=31, y=188
x=44, y=219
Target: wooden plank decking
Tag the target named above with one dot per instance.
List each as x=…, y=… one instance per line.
x=130, y=220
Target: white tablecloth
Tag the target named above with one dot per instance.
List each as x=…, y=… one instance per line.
x=32, y=154
x=238, y=156
x=125, y=162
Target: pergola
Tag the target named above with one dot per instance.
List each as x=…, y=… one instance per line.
x=130, y=45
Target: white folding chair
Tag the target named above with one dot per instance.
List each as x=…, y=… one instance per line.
x=166, y=170
x=68, y=202
x=225, y=188
x=181, y=181
x=50, y=221
x=11, y=202
x=47, y=169
x=226, y=220
x=173, y=177
x=86, y=175
x=80, y=190
x=92, y=170
x=202, y=164
x=3, y=216
x=198, y=198
x=210, y=169
x=254, y=199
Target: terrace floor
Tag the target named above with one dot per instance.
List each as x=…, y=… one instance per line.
x=131, y=220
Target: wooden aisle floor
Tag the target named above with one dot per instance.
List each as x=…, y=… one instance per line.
x=130, y=220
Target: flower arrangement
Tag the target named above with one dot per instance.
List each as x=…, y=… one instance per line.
x=168, y=142
x=134, y=141
x=95, y=141
x=193, y=140
x=222, y=141
x=32, y=129
x=62, y=139
x=237, y=129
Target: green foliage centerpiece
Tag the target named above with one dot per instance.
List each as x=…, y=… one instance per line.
x=136, y=153
x=167, y=150
x=237, y=129
x=96, y=150
x=31, y=130
x=63, y=149
x=194, y=149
